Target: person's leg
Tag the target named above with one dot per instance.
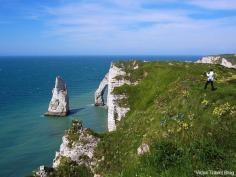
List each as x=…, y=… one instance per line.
x=212, y=86
x=207, y=82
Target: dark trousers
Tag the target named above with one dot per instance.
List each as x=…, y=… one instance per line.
x=209, y=82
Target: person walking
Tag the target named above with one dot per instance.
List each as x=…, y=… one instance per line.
x=210, y=79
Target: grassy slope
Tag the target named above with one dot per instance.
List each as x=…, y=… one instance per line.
x=172, y=112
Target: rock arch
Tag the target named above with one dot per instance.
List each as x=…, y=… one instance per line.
x=99, y=100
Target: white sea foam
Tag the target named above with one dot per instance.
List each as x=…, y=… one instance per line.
x=90, y=105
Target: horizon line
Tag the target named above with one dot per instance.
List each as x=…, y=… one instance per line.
x=126, y=55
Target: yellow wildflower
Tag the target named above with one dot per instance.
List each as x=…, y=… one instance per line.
x=170, y=131
x=205, y=102
x=179, y=129
x=186, y=93
x=221, y=110
x=185, y=125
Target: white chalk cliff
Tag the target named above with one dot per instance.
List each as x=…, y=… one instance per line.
x=99, y=100
x=80, y=151
x=115, y=111
x=216, y=60
x=59, y=104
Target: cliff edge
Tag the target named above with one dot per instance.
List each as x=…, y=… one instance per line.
x=174, y=127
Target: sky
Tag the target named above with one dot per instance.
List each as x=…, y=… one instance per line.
x=117, y=27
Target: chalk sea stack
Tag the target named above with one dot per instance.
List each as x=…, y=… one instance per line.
x=59, y=104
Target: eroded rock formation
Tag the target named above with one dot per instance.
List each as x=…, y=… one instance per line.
x=115, y=111
x=80, y=150
x=143, y=149
x=78, y=145
x=59, y=104
x=99, y=100
x=216, y=60
x=43, y=171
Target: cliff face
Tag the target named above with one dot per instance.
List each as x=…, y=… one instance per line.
x=217, y=60
x=59, y=104
x=76, y=152
x=80, y=149
x=115, y=111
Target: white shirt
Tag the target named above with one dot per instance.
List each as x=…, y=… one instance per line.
x=210, y=76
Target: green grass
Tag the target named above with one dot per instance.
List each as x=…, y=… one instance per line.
x=72, y=133
x=188, y=128
x=69, y=168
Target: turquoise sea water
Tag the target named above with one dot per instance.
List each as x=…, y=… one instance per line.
x=27, y=138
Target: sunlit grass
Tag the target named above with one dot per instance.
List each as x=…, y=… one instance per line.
x=188, y=128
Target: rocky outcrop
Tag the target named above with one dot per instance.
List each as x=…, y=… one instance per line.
x=143, y=149
x=99, y=100
x=59, y=104
x=227, y=64
x=114, y=78
x=78, y=144
x=43, y=171
x=216, y=60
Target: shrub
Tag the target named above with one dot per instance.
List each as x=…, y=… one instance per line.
x=73, y=133
x=164, y=156
x=208, y=154
x=222, y=110
x=70, y=168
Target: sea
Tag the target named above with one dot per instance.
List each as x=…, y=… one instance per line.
x=28, y=139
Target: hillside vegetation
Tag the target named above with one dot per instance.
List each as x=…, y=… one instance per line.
x=187, y=128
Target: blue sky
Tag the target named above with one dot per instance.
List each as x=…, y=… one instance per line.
x=99, y=27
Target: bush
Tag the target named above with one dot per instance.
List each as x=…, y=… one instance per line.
x=164, y=156
x=73, y=133
x=208, y=154
x=70, y=168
